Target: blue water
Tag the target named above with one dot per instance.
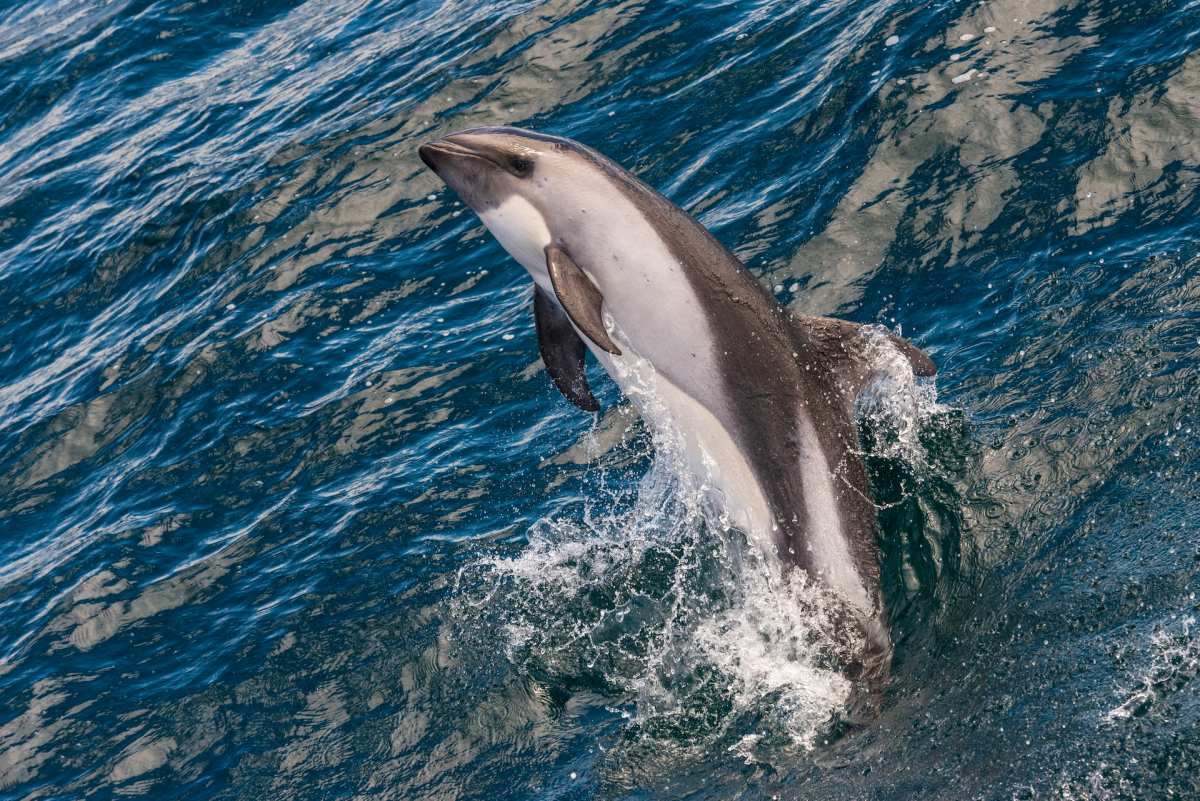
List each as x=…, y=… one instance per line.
x=290, y=510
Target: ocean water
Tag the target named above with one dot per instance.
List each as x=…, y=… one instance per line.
x=289, y=509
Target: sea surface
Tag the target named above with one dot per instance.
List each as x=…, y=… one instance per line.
x=290, y=510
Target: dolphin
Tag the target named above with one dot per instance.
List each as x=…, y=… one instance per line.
x=760, y=402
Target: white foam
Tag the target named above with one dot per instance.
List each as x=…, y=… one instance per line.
x=1174, y=660
x=895, y=400
x=772, y=646
x=1100, y=784
x=780, y=643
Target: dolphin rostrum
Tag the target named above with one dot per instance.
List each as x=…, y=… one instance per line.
x=759, y=400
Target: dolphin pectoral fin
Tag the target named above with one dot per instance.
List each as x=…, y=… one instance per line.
x=579, y=297
x=562, y=351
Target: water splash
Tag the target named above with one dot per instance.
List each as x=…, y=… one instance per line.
x=1174, y=662
x=895, y=403
x=784, y=644
x=673, y=612
x=667, y=606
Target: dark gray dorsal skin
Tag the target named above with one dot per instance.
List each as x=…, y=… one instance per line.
x=780, y=387
x=562, y=352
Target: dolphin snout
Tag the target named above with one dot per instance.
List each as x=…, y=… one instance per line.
x=426, y=152
x=437, y=153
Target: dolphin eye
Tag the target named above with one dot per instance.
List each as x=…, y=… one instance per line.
x=520, y=166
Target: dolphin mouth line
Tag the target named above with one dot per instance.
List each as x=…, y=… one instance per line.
x=449, y=148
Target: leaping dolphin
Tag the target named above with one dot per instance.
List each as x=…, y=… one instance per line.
x=760, y=400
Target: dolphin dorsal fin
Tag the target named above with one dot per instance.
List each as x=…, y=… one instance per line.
x=579, y=297
x=562, y=351
x=846, y=347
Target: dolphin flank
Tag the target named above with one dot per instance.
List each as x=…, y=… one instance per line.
x=760, y=400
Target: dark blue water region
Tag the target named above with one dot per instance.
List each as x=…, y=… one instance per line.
x=289, y=508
